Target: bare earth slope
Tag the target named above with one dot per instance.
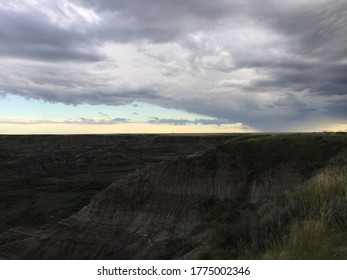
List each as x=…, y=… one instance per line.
x=144, y=210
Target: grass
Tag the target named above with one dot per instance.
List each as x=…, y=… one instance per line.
x=321, y=230
x=328, y=187
x=309, y=223
x=307, y=239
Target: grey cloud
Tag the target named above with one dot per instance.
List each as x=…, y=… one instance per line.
x=119, y=97
x=134, y=95
x=96, y=121
x=72, y=85
x=315, y=38
x=272, y=114
x=30, y=34
x=103, y=114
x=47, y=53
x=162, y=21
x=312, y=37
x=66, y=121
x=155, y=120
x=320, y=79
x=298, y=49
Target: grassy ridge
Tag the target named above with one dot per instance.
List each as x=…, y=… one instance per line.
x=310, y=223
x=276, y=227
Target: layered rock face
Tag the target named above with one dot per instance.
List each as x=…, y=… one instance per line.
x=134, y=215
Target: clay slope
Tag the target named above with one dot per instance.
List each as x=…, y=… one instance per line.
x=137, y=214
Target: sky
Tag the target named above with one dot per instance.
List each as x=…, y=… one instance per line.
x=178, y=66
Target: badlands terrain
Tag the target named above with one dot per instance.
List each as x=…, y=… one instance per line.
x=236, y=196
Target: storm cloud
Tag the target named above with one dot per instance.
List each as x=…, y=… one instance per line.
x=269, y=64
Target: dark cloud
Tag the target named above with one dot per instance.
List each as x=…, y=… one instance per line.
x=73, y=85
x=160, y=21
x=32, y=34
x=276, y=113
x=314, y=37
x=265, y=63
x=119, y=97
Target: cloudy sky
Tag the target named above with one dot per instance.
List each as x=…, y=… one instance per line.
x=120, y=66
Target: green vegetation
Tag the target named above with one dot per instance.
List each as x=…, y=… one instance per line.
x=320, y=231
x=310, y=223
x=311, y=150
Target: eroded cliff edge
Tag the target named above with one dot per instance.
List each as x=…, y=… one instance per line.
x=142, y=212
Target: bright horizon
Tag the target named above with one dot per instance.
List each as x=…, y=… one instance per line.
x=96, y=67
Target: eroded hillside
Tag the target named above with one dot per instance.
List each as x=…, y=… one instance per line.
x=200, y=206
x=44, y=178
